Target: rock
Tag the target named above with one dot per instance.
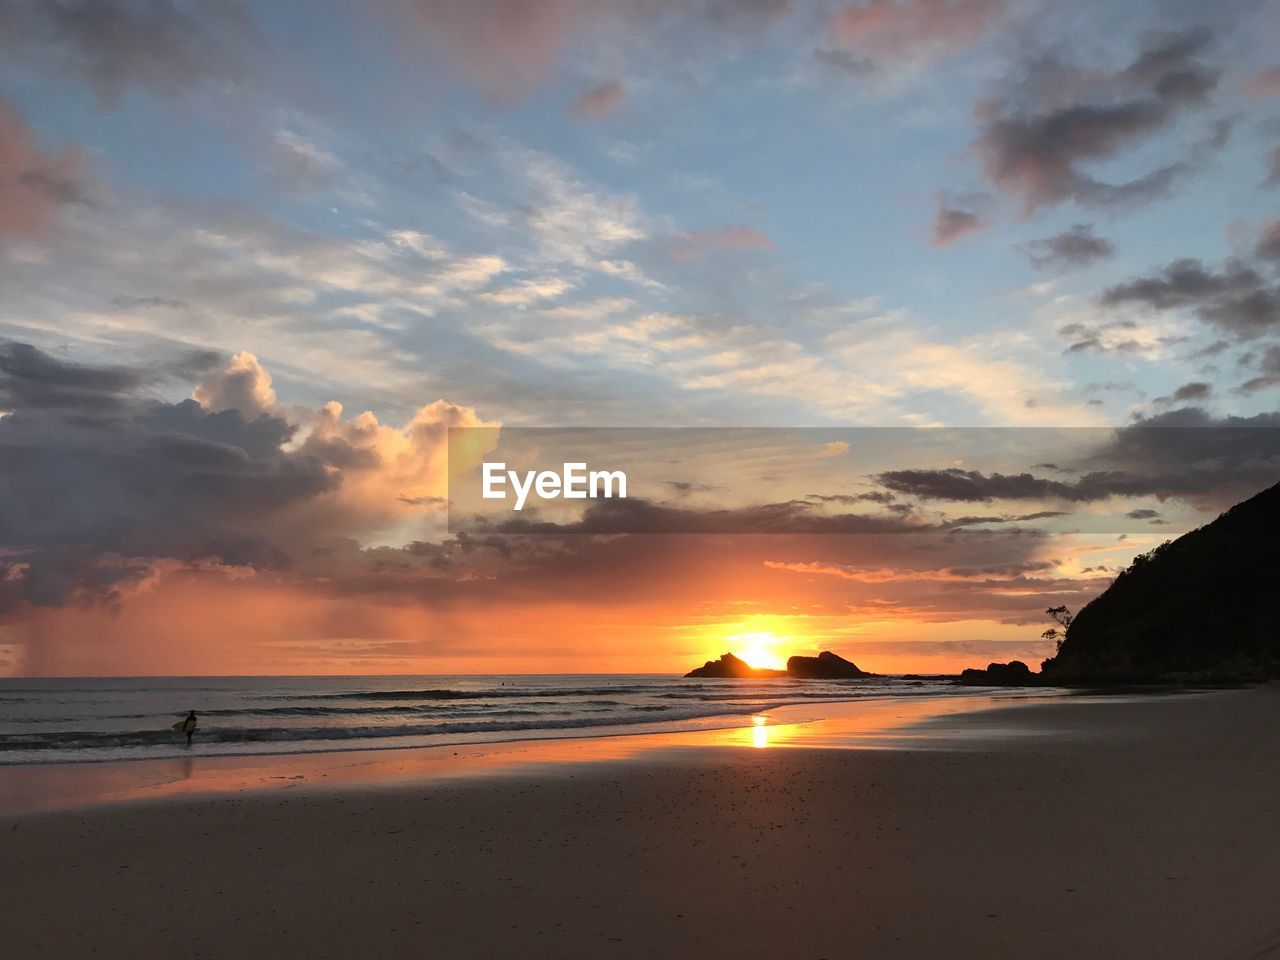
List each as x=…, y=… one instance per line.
x=1015, y=673
x=729, y=667
x=825, y=666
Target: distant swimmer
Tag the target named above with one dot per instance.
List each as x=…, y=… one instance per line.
x=187, y=726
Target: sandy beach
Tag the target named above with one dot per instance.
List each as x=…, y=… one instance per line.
x=1087, y=826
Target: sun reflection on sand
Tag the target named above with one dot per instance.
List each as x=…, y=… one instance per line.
x=759, y=731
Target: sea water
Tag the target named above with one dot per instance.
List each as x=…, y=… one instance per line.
x=78, y=720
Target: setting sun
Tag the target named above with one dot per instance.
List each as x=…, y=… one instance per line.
x=758, y=648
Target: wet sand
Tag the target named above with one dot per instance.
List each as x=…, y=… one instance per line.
x=1098, y=827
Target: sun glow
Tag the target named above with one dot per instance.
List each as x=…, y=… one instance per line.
x=758, y=648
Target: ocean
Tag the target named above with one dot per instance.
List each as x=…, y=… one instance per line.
x=131, y=718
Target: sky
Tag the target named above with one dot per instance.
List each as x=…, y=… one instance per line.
x=256, y=260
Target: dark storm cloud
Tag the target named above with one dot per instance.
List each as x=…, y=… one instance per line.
x=1183, y=454
x=973, y=486
x=1188, y=454
x=97, y=477
x=1036, y=142
x=163, y=46
x=1077, y=247
x=30, y=378
x=1236, y=299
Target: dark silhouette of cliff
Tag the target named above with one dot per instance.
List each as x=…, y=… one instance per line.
x=825, y=666
x=1203, y=607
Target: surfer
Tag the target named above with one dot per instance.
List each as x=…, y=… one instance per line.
x=188, y=726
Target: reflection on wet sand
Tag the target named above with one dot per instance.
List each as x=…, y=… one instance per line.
x=868, y=724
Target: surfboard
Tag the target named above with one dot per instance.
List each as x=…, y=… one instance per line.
x=178, y=726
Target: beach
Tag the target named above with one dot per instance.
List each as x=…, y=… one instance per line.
x=1070, y=826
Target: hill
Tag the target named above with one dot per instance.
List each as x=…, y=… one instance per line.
x=1203, y=606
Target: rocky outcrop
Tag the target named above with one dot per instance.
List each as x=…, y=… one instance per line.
x=729, y=667
x=825, y=666
x=1199, y=608
x=1015, y=673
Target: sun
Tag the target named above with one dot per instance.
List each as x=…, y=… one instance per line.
x=758, y=648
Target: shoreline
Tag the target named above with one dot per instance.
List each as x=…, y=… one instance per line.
x=700, y=724
x=31, y=788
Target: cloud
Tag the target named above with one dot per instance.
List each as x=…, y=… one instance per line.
x=882, y=34
x=1273, y=168
x=1037, y=141
x=1268, y=246
x=32, y=380
x=732, y=236
x=241, y=384
x=1077, y=247
x=1264, y=83
x=956, y=217
x=299, y=165
x=880, y=575
x=508, y=48
x=1183, y=454
x=34, y=184
x=1187, y=454
x=1235, y=299
x=972, y=486
x=166, y=47
x=1192, y=391
x=636, y=515
x=1268, y=372
x=105, y=486
x=599, y=103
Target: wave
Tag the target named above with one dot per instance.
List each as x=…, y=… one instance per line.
x=90, y=739
x=524, y=710
x=501, y=693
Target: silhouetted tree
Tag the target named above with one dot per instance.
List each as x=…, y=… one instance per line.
x=1062, y=616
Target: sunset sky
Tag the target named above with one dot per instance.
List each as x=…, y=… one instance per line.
x=257, y=259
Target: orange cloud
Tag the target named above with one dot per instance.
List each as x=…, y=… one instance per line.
x=33, y=184
x=509, y=47
x=914, y=29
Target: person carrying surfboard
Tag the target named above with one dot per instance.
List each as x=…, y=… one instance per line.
x=187, y=726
